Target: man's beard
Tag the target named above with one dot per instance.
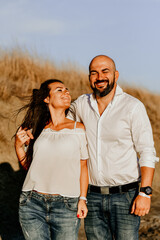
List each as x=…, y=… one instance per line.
x=106, y=91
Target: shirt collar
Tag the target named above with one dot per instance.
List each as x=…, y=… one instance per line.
x=118, y=91
x=93, y=100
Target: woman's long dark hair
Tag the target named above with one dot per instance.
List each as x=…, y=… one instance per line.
x=37, y=115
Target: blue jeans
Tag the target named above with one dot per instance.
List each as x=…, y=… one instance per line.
x=46, y=217
x=12, y=237
x=109, y=217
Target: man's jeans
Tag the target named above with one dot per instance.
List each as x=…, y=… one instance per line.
x=109, y=217
x=46, y=217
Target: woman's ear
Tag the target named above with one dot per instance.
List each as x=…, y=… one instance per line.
x=46, y=100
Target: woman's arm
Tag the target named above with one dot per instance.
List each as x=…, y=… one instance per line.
x=82, y=207
x=23, y=136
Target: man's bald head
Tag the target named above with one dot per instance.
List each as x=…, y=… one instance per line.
x=102, y=58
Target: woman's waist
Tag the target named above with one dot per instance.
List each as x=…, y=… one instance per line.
x=43, y=193
x=47, y=196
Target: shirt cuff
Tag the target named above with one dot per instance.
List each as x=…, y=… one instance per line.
x=148, y=162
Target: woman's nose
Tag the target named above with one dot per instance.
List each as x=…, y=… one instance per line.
x=66, y=91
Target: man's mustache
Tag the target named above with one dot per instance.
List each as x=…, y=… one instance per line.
x=100, y=81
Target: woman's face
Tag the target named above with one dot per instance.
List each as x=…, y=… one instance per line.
x=59, y=96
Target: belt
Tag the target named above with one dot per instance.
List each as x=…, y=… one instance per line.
x=112, y=190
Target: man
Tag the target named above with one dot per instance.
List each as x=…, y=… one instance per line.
x=117, y=128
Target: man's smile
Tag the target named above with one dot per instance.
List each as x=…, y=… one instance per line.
x=101, y=83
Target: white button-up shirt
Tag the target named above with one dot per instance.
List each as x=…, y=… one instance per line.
x=115, y=138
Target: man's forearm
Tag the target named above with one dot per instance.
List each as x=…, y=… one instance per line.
x=141, y=204
x=146, y=176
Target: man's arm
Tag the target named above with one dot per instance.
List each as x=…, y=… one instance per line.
x=73, y=112
x=144, y=145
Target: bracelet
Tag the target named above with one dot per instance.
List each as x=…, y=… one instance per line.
x=144, y=195
x=83, y=198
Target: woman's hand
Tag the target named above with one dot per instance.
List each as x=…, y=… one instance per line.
x=82, y=209
x=23, y=136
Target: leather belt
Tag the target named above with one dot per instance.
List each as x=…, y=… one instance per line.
x=112, y=190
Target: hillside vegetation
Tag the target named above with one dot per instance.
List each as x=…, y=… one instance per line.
x=20, y=72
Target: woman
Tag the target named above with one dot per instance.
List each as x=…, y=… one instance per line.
x=54, y=192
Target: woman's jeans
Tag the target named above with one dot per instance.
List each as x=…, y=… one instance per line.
x=109, y=217
x=46, y=217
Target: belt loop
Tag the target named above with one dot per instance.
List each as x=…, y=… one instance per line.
x=30, y=194
x=120, y=189
x=89, y=191
x=64, y=200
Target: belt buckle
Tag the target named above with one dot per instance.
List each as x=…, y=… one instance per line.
x=104, y=190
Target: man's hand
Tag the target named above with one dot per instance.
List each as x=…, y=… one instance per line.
x=141, y=206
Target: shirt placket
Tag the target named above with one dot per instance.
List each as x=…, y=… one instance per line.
x=99, y=142
x=99, y=161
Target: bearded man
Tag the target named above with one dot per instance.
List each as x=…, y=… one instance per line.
x=117, y=128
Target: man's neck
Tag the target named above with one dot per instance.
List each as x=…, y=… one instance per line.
x=104, y=101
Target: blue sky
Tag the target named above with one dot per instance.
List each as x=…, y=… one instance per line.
x=76, y=31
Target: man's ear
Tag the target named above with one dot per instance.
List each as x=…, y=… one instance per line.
x=116, y=75
x=46, y=100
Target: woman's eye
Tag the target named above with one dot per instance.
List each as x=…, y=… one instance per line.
x=59, y=90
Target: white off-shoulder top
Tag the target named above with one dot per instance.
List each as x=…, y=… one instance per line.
x=55, y=168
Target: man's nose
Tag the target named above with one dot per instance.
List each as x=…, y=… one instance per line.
x=99, y=76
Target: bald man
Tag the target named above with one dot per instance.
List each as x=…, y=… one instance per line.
x=117, y=128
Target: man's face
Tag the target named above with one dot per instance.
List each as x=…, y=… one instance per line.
x=102, y=76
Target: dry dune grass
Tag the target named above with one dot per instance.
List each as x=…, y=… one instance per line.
x=20, y=72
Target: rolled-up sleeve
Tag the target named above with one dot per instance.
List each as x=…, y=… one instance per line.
x=143, y=136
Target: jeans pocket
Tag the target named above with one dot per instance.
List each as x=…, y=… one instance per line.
x=23, y=198
x=71, y=203
x=130, y=195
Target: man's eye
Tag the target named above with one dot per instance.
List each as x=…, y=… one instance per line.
x=93, y=73
x=106, y=71
x=59, y=90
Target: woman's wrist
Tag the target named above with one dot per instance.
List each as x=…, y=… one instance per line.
x=19, y=146
x=83, y=198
